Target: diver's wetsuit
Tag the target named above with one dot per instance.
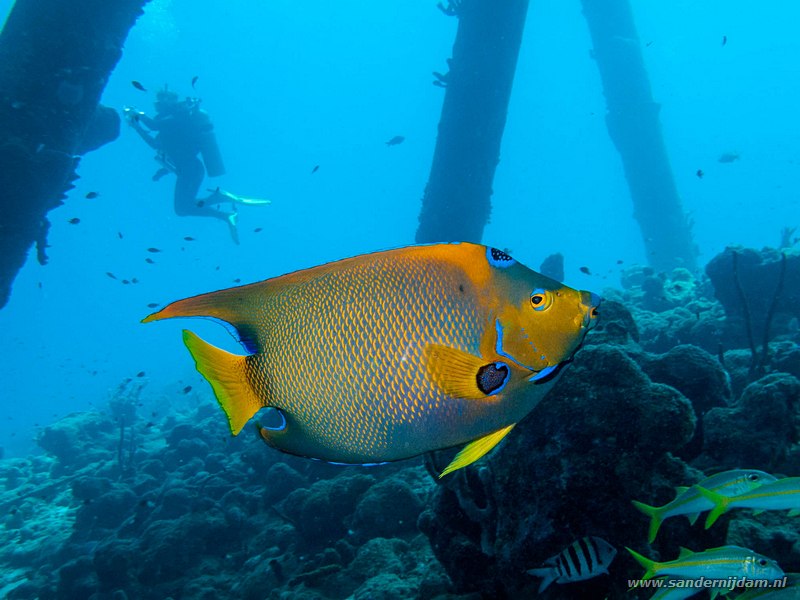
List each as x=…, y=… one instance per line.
x=179, y=139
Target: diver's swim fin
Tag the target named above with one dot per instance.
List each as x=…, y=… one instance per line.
x=218, y=196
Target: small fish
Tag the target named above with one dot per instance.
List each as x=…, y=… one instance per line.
x=125, y=282
x=149, y=424
x=152, y=305
x=92, y=195
x=258, y=229
x=585, y=270
x=201, y=203
x=619, y=262
x=237, y=280
x=714, y=563
x=648, y=44
x=728, y=157
x=584, y=559
x=189, y=238
x=481, y=341
x=783, y=494
x=74, y=221
x=134, y=280
x=688, y=500
x=138, y=86
x=110, y=274
x=154, y=250
x=119, y=234
x=149, y=261
x=699, y=173
x=140, y=374
x=194, y=80
x=398, y=139
x=187, y=389
x=315, y=169
x=724, y=39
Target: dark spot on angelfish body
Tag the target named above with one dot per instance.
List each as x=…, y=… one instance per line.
x=492, y=378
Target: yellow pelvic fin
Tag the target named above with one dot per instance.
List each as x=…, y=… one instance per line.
x=474, y=450
x=226, y=374
x=454, y=371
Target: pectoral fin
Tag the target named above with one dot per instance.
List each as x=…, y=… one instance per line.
x=474, y=450
x=463, y=375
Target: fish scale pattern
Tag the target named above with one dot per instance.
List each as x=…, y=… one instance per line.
x=343, y=357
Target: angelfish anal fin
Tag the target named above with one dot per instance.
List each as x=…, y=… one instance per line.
x=474, y=450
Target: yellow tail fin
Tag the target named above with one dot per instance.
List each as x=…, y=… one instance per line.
x=226, y=374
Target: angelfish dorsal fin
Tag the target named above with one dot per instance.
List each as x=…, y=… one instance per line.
x=474, y=450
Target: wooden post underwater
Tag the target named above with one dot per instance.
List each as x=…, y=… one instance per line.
x=457, y=199
x=55, y=60
x=633, y=123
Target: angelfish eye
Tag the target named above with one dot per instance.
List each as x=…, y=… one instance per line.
x=762, y=562
x=541, y=299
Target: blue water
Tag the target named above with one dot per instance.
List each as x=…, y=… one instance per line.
x=293, y=85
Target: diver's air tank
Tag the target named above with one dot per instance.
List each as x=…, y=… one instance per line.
x=209, y=149
x=212, y=158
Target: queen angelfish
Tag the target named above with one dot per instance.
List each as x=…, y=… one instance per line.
x=390, y=355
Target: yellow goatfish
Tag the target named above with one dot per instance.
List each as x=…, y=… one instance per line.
x=390, y=355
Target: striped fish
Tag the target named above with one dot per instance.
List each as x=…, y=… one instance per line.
x=584, y=559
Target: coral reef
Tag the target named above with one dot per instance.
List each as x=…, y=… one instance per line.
x=663, y=394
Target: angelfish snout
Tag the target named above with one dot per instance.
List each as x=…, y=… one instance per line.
x=590, y=301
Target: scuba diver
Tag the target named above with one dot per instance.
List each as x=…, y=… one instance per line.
x=179, y=132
